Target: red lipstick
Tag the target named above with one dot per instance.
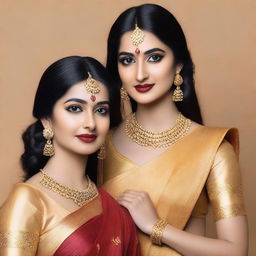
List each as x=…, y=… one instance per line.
x=88, y=138
x=143, y=87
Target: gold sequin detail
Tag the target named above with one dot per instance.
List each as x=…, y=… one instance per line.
x=157, y=140
x=116, y=240
x=19, y=239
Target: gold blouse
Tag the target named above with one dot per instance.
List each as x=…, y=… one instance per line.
x=202, y=167
x=223, y=188
x=32, y=223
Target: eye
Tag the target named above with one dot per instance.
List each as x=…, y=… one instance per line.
x=155, y=58
x=74, y=109
x=126, y=60
x=102, y=111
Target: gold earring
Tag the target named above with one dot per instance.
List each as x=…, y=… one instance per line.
x=48, y=147
x=177, y=94
x=126, y=108
x=102, y=153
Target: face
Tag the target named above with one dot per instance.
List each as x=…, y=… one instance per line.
x=80, y=124
x=147, y=76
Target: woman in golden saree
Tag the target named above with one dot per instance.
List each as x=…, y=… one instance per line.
x=161, y=163
x=58, y=210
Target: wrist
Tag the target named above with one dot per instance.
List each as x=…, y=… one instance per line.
x=157, y=232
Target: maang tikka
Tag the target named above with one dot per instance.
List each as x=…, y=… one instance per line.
x=137, y=37
x=92, y=86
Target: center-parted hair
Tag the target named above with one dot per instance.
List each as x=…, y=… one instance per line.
x=157, y=20
x=57, y=79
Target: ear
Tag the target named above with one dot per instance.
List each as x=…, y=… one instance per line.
x=46, y=122
x=178, y=68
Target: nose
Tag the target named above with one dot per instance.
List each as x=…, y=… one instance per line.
x=89, y=121
x=141, y=72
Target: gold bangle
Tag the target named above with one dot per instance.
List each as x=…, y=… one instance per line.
x=157, y=231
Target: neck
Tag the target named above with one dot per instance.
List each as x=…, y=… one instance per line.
x=157, y=116
x=67, y=168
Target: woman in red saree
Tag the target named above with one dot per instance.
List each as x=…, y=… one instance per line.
x=58, y=210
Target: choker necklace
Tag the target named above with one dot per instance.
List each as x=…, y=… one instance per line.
x=79, y=197
x=160, y=139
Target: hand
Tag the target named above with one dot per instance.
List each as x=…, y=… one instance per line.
x=141, y=208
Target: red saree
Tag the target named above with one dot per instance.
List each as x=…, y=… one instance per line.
x=33, y=224
x=110, y=233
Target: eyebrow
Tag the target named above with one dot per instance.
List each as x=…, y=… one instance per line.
x=146, y=52
x=126, y=53
x=154, y=50
x=84, y=101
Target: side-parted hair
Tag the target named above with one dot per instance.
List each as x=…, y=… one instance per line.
x=157, y=20
x=57, y=79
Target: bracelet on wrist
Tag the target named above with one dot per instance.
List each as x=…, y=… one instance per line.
x=157, y=232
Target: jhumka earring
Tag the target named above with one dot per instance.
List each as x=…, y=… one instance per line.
x=126, y=108
x=177, y=94
x=102, y=153
x=48, y=148
x=92, y=86
x=137, y=37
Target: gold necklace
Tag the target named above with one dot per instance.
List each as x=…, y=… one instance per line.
x=160, y=139
x=79, y=197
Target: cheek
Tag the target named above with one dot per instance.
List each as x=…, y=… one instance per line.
x=125, y=73
x=103, y=125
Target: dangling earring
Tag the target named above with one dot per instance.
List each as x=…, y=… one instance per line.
x=102, y=153
x=48, y=148
x=177, y=94
x=126, y=108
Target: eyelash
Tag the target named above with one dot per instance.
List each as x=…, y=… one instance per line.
x=124, y=60
x=159, y=57
x=130, y=60
x=105, y=111
x=77, y=107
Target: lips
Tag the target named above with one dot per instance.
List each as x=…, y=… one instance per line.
x=143, y=87
x=88, y=138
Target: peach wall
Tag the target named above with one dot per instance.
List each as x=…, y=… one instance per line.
x=221, y=36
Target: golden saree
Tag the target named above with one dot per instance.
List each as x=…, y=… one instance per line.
x=177, y=179
x=31, y=223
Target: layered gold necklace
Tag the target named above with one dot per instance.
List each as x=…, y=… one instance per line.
x=79, y=197
x=160, y=139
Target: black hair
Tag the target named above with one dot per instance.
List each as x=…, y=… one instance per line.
x=157, y=20
x=57, y=79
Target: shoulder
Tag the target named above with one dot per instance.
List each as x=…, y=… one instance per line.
x=220, y=134
x=23, y=196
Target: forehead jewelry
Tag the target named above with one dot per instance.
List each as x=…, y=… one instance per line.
x=92, y=86
x=137, y=37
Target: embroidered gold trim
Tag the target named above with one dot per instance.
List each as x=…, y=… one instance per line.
x=229, y=211
x=19, y=239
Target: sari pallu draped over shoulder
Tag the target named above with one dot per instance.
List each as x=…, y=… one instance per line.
x=32, y=223
x=174, y=179
x=110, y=233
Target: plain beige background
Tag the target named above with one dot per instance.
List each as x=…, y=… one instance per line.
x=221, y=36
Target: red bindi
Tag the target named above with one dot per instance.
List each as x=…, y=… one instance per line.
x=93, y=98
x=137, y=51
